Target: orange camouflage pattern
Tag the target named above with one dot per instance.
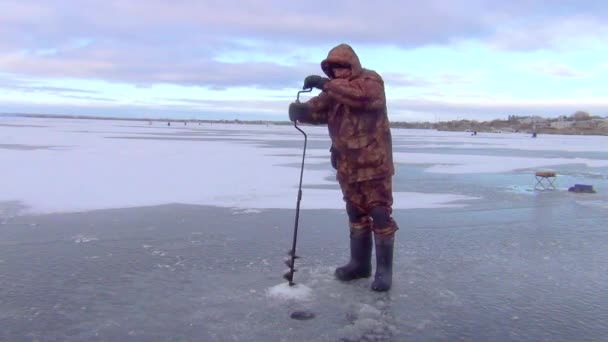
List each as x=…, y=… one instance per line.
x=366, y=195
x=354, y=110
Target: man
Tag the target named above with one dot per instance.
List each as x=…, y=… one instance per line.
x=353, y=105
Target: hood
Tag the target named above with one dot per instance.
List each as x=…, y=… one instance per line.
x=342, y=54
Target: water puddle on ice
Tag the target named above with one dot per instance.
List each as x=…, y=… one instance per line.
x=297, y=292
x=518, y=189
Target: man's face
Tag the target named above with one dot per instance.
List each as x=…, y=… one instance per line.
x=341, y=71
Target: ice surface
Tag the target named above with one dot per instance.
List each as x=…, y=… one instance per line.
x=83, y=165
x=479, y=256
x=298, y=292
x=462, y=163
x=496, y=141
x=79, y=165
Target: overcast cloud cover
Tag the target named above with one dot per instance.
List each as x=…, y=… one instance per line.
x=246, y=59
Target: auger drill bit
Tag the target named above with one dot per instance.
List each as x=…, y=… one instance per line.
x=292, y=253
x=289, y=262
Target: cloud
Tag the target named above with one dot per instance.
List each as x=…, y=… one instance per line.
x=407, y=23
x=395, y=79
x=90, y=98
x=179, y=41
x=183, y=42
x=556, y=33
x=406, y=80
x=132, y=66
x=27, y=86
x=384, y=21
x=554, y=69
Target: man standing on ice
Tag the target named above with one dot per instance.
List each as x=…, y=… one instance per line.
x=352, y=103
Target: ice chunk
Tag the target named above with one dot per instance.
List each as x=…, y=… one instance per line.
x=284, y=291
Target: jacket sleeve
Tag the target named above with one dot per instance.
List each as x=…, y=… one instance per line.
x=319, y=106
x=364, y=93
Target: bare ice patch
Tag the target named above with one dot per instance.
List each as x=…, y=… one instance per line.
x=369, y=323
x=297, y=292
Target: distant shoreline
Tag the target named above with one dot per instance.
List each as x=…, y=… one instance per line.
x=450, y=126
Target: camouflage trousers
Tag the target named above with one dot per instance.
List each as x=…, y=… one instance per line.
x=369, y=205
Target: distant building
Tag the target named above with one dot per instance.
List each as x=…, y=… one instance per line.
x=562, y=124
x=532, y=120
x=588, y=124
x=542, y=124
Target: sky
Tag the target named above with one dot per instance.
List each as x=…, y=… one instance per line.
x=246, y=59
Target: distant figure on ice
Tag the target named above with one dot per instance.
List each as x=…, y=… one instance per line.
x=168, y=123
x=533, y=134
x=474, y=133
x=352, y=103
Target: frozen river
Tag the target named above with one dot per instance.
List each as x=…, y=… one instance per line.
x=126, y=231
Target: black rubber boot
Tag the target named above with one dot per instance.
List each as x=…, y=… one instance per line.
x=384, y=262
x=360, y=264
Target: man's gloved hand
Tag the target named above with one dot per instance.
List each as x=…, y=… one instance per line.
x=298, y=111
x=315, y=81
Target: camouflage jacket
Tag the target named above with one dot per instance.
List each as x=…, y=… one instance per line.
x=354, y=110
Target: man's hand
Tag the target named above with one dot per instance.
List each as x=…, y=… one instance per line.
x=298, y=111
x=315, y=81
